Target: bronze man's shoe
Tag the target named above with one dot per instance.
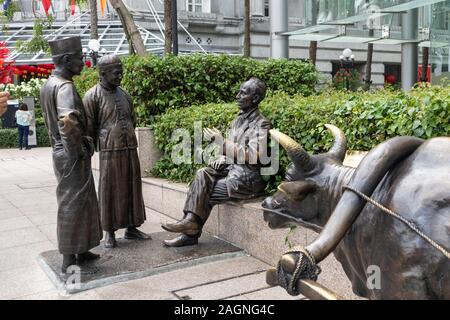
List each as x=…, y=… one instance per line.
x=87, y=256
x=134, y=234
x=71, y=265
x=182, y=240
x=183, y=226
x=110, y=239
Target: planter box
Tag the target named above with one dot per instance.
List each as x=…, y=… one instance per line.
x=147, y=151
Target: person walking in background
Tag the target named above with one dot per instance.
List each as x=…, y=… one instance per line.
x=23, y=119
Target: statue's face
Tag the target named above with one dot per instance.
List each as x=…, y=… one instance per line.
x=247, y=97
x=75, y=63
x=113, y=75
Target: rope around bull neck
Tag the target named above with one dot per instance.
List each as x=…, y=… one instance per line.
x=410, y=224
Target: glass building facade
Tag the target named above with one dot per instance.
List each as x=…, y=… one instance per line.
x=440, y=42
x=364, y=20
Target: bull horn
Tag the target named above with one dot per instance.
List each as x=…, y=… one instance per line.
x=339, y=147
x=365, y=179
x=296, y=153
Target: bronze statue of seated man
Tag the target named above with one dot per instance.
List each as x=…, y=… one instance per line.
x=236, y=175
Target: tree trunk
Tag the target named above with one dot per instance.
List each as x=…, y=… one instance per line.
x=94, y=19
x=313, y=44
x=368, y=71
x=247, y=28
x=368, y=76
x=134, y=37
x=425, y=52
x=313, y=52
x=167, y=26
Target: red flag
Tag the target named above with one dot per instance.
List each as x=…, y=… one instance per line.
x=46, y=4
x=73, y=7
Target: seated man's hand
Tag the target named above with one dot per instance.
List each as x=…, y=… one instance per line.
x=213, y=135
x=4, y=96
x=218, y=164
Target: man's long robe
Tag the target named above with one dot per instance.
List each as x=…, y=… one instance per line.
x=78, y=222
x=111, y=124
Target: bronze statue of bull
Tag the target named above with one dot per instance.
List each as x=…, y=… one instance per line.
x=407, y=175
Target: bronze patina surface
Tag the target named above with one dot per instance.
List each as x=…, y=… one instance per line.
x=405, y=174
x=111, y=123
x=78, y=223
x=234, y=176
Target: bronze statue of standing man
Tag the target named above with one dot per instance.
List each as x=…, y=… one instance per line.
x=78, y=222
x=112, y=122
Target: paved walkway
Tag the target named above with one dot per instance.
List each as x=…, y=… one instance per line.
x=28, y=227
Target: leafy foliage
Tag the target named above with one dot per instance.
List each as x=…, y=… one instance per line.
x=8, y=137
x=37, y=43
x=30, y=88
x=367, y=119
x=86, y=80
x=347, y=79
x=157, y=84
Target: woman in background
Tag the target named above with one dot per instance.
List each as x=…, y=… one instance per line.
x=23, y=119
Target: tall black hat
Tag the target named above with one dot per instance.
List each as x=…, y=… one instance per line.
x=69, y=45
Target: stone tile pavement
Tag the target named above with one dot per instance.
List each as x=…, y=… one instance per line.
x=28, y=227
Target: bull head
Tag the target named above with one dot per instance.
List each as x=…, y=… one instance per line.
x=304, y=194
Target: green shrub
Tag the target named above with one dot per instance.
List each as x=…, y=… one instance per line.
x=157, y=84
x=86, y=80
x=9, y=137
x=42, y=136
x=366, y=118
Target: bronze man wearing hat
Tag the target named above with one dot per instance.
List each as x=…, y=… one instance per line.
x=234, y=176
x=112, y=122
x=78, y=221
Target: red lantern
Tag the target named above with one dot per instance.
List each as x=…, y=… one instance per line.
x=390, y=78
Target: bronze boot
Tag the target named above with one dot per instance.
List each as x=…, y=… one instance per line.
x=182, y=240
x=110, y=239
x=132, y=233
x=86, y=257
x=189, y=225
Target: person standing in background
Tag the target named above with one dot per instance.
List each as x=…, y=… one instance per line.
x=23, y=119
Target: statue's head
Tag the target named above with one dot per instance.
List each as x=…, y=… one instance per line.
x=251, y=93
x=67, y=55
x=110, y=70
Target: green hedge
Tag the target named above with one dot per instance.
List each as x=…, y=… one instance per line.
x=181, y=81
x=366, y=118
x=8, y=137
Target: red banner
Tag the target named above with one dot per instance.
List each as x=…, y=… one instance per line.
x=73, y=7
x=46, y=4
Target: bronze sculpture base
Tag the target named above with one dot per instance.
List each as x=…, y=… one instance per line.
x=133, y=260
